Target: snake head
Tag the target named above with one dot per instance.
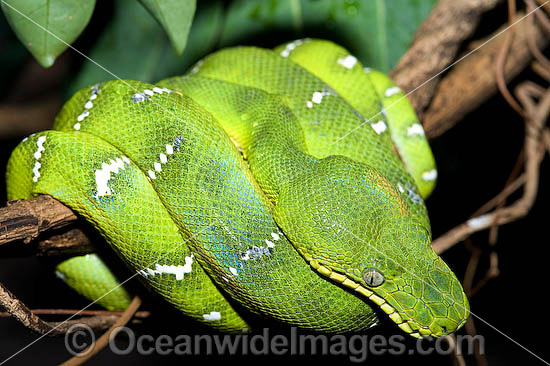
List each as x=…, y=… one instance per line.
x=409, y=281
x=359, y=232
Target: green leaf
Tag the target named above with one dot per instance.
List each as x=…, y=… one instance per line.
x=46, y=27
x=378, y=32
x=175, y=17
x=134, y=46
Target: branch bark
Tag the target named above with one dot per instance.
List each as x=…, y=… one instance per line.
x=471, y=82
x=72, y=242
x=26, y=219
x=435, y=45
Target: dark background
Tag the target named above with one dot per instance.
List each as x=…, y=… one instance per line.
x=474, y=160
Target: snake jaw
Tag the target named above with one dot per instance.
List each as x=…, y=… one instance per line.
x=408, y=326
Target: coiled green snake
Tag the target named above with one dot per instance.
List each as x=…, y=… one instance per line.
x=289, y=182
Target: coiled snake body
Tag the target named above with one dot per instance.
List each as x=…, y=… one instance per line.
x=241, y=182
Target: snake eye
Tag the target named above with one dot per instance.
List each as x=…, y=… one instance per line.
x=373, y=277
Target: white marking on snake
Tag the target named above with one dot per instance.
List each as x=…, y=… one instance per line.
x=40, y=147
x=410, y=191
x=275, y=236
x=291, y=46
x=147, y=94
x=89, y=105
x=429, y=175
x=197, y=66
x=138, y=98
x=348, y=62
x=163, y=160
x=479, y=222
x=35, y=170
x=415, y=129
x=213, y=315
x=269, y=243
x=392, y=90
x=103, y=175
x=178, y=270
x=379, y=127
x=317, y=97
x=37, y=155
x=233, y=271
x=255, y=252
x=83, y=115
x=367, y=69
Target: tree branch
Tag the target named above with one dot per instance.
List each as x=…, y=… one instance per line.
x=24, y=315
x=471, y=82
x=26, y=219
x=435, y=45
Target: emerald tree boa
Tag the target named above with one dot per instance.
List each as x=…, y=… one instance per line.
x=289, y=181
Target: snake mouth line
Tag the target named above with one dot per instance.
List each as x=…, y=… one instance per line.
x=409, y=326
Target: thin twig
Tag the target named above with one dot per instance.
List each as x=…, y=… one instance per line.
x=473, y=262
x=25, y=316
x=451, y=339
x=139, y=314
x=535, y=51
x=501, y=196
x=501, y=58
x=540, y=70
x=546, y=138
x=470, y=327
x=491, y=273
x=533, y=131
x=103, y=341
